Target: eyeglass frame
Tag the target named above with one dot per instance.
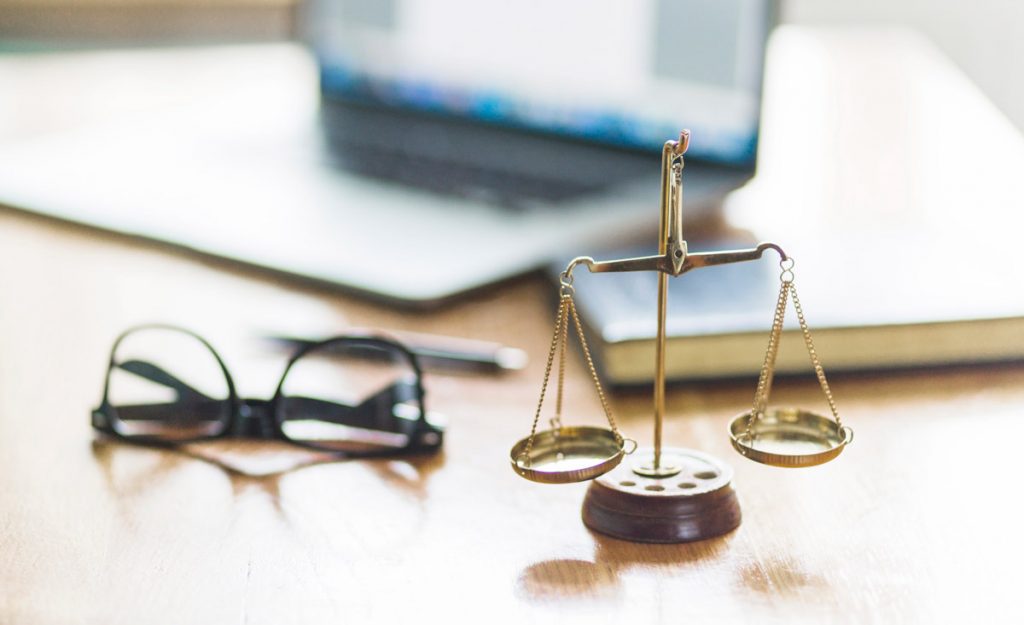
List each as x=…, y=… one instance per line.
x=261, y=419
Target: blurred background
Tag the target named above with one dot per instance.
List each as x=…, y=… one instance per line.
x=979, y=36
x=417, y=151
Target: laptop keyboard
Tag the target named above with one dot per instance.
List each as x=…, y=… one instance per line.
x=454, y=157
x=503, y=187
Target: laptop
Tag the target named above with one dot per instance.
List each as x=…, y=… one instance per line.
x=455, y=143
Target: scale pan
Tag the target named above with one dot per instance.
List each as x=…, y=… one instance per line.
x=789, y=437
x=568, y=454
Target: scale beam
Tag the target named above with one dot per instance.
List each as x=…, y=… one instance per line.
x=664, y=264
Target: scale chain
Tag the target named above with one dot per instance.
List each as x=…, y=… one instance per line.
x=593, y=372
x=559, y=328
x=818, y=369
x=774, y=342
x=559, y=342
x=764, y=382
x=556, y=422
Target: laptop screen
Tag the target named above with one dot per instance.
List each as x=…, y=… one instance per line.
x=628, y=74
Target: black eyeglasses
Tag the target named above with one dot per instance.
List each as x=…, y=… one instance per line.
x=355, y=395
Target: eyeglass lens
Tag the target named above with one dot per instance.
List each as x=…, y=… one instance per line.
x=166, y=384
x=341, y=396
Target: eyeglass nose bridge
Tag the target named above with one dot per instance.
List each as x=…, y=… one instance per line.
x=252, y=419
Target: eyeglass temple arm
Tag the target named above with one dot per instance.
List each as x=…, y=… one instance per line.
x=200, y=405
x=366, y=415
x=376, y=412
x=158, y=375
x=180, y=412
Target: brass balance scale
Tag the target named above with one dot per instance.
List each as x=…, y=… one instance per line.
x=672, y=494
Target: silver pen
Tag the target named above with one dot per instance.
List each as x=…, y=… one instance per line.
x=438, y=352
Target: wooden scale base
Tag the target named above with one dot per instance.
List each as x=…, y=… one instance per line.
x=694, y=501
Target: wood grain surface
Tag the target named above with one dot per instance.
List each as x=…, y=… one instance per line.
x=917, y=522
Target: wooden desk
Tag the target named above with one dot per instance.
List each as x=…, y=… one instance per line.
x=917, y=522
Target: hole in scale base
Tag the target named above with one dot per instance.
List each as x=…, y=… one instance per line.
x=705, y=475
x=687, y=485
x=654, y=487
x=627, y=483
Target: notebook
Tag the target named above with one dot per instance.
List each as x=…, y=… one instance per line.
x=871, y=304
